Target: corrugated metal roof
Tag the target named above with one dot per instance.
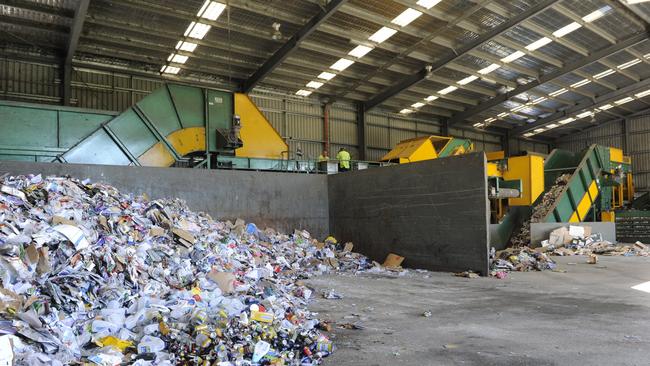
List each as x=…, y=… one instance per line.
x=141, y=34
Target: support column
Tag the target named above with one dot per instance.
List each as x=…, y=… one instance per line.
x=444, y=127
x=361, y=130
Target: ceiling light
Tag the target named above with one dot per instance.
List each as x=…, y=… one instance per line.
x=643, y=94
x=517, y=109
x=584, y=114
x=406, y=17
x=647, y=55
x=581, y=83
x=197, y=30
x=431, y=98
x=538, y=130
x=478, y=125
x=539, y=43
x=418, y=105
x=630, y=2
x=314, y=84
x=170, y=70
x=467, y=80
x=406, y=111
x=341, y=64
x=360, y=51
x=566, y=30
x=489, y=69
x=303, y=93
x=538, y=100
x=529, y=134
x=382, y=34
x=448, y=90
x=565, y=121
x=624, y=100
x=596, y=14
x=513, y=56
x=186, y=46
x=326, y=76
x=504, y=114
x=629, y=64
x=558, y=92
x=606, y=107
x=211, y=10
x=428, y=3
x=604, y=73
x=179, y=59
x=491, y=119
x=551, y=126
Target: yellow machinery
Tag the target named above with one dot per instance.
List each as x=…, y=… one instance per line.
x=519, y=180
x=427, y=148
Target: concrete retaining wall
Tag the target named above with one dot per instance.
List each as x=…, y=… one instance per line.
x=434, y=213
x=279, y=200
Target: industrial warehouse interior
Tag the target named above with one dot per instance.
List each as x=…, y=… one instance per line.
x=324, y=182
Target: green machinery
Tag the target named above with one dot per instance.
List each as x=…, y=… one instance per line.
x=176, y=125
x=597, y=182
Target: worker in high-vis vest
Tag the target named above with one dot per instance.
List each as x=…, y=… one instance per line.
x=344, y=160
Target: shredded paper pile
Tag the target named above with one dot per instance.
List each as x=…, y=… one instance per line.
x=91, y=275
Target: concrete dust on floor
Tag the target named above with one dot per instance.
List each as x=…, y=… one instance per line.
x=589, y=315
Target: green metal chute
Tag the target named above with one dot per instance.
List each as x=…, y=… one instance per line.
x=160, y=130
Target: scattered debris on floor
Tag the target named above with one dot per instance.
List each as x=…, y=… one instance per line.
x=467, y=274
x=520, y=259
x=427, y=314
x=332, y=295
x=91, y=275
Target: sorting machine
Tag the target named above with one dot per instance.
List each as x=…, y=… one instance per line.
x=598, y=181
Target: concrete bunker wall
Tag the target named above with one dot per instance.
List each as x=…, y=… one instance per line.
x=434, y=213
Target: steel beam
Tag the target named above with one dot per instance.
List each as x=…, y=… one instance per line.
x=454, y=55
x=292, y=44
x=361, y=130
x=586, y=104
x=73, y=42
x=570, y=67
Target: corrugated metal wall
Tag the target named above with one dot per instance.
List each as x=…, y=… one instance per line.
x=613, y=134
x=639, y=149
x=518, y=147
x=299, y=120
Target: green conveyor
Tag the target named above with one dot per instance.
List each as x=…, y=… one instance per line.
x=588, y=189
x=161, y=129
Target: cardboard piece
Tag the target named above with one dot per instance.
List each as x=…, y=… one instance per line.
x=559, y=237
x=156, y=231
x=393, y=261
x=225, y=280
x=184, y=237
x=9, y=299
x=348, y=247
x=58, y=220
x=44, y=265
x=32, y=255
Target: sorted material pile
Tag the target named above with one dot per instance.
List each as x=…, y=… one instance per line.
x=93, y=275
x=578, y=240
x=540, y=211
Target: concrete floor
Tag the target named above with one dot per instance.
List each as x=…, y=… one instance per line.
x=587, y=316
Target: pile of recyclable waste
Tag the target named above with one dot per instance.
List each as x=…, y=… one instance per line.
x=91, y=275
